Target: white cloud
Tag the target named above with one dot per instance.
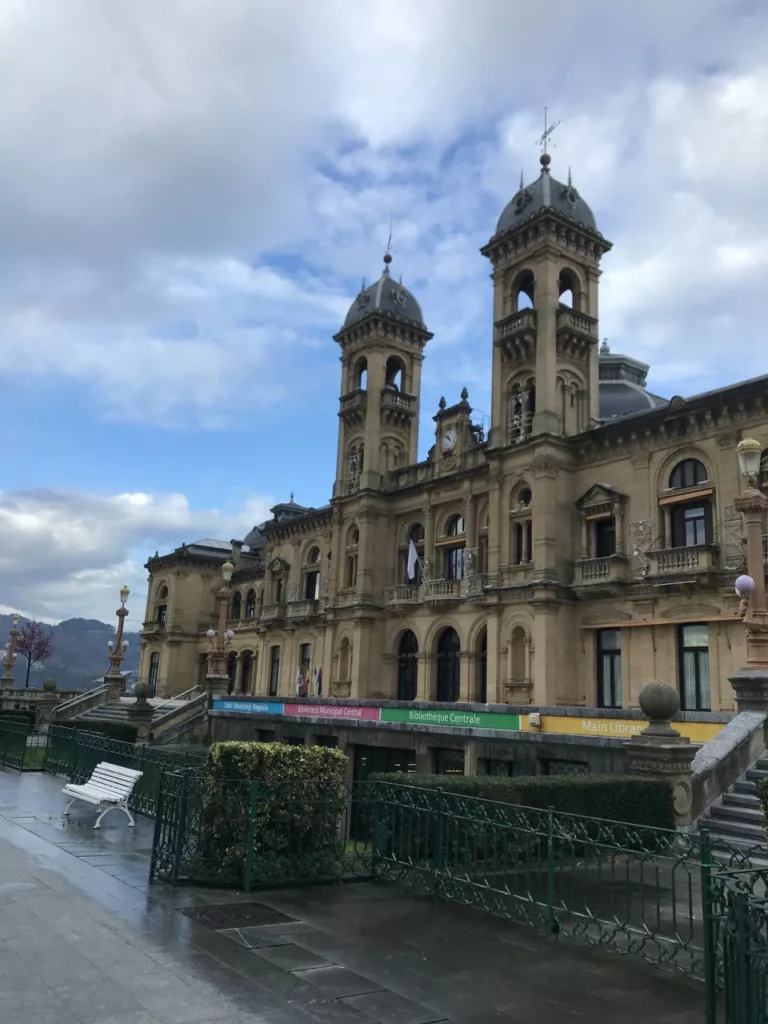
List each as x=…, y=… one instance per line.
x=66, y=554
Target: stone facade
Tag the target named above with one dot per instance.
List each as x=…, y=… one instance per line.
x=587, y=545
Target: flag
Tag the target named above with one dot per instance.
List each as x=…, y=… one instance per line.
x=319, y=682
x=412, y=560
x=298, y=682
x=314, y=683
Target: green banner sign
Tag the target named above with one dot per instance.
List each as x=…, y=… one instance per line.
x=451, y=719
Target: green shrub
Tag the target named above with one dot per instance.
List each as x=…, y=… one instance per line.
x=299, y=803
x=122, y=731
x=625, y=798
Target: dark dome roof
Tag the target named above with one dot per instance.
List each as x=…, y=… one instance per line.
x=385, y=296
x=621, y=386
x=546, y=193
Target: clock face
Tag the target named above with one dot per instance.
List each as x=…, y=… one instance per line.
x=449, y=440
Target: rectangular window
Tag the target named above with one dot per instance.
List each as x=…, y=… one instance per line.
x=351, y=571
x=449, y=762
x=693, y=667
x=312, y=586
x=454, y=563
x=491, y=766
x=605, y=537
x=279, y=589
x=523, y=543
x=154, y=668
x=608, y=646
x=691, y=525
x=305, y=658
x=162, y=613
x=274, y=671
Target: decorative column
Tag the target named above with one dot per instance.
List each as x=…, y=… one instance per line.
x=423, y=676
x=584, y=535
x=660, y=751
x=217, y=678
x=667, y=527
x=618, y=518
x=429, y=539
x=46, y=706
x=10, y=653
x=140, y=713
x=466, y=660
x=238, y=684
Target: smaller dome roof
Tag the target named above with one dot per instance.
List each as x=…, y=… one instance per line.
x=546, y=193
x=385, y=296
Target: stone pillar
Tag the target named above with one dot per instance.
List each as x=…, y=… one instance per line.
x=423, y=676
x=667, y=542
x=217, y=685
x=140, y=713
x=750, y=683
x=618, y=517
x=661, y=752
x=238, y=684
x=584, y=536
x=465, y=677
x=471, y=758
x=46, y=706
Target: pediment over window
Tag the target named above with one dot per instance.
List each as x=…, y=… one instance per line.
x=598, y=496
x=278, y=565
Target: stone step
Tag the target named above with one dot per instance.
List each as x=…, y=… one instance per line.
x=756, y=774
x=744, y=786
x=748, y=815
x=737, y=799
x=737, y=830
x=762, y=764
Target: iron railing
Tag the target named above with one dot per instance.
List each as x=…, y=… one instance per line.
x=13, y=741
x=250, y=834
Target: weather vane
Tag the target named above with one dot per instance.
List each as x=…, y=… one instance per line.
x=543, y=139
x=388, y=253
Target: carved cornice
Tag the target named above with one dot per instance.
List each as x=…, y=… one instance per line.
x=546, y=227
x=310, y=523
x=386, y=327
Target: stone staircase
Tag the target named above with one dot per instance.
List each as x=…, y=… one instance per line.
x=736, y=816
x=171, y=719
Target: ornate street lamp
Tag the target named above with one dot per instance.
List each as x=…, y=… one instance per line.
x=219, y=639
x=10, y=652
x=117, y=649
x=751, y=682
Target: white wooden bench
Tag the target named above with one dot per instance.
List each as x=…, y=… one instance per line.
x=108, y=788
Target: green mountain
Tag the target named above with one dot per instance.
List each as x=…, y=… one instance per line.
x=79, y=653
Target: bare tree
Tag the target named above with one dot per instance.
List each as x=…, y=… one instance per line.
x=35, y=643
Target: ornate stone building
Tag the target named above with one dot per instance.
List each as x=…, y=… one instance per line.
x=587, y=545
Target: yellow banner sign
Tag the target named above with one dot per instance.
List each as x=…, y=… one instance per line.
x=617, y=728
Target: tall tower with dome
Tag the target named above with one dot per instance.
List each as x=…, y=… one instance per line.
x=545, y=253
x=382, y=345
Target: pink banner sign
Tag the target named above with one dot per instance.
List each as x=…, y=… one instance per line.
x=333, y=711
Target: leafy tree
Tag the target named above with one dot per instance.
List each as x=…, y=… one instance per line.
x=35, y=643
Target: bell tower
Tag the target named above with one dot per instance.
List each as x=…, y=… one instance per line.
x=546, y=256
x=382, y=343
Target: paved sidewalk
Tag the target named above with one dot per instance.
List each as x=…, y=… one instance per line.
x=84, y=939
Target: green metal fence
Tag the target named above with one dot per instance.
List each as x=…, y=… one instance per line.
x=251, y=834
x=76, y=752
x=13, y=741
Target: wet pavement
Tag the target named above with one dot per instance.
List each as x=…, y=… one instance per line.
x=85, y=939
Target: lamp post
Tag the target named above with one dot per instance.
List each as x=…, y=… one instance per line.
x=217, y=678
x=751, y=682
x=10, y=652
x=117, y=649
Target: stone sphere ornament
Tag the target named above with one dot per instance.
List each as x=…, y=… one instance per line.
x=50, y=685
x=659, y=702
x=141, y=691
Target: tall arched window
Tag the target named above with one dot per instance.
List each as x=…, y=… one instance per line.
x=250, y=604
x=415, y=537
x=481, y=687
x=237, y=603
x=455, y=548
x=345, y=658
x=448, y=646
x=360, y=374
x=521, y=406
x=519, y=651
x=521, y=526
x=407, y=663
x=687, y=473
x=154, y=669
x=355, y=458
x=523, y=292
x=688, y=522
x=312, y=575
x=394, y=376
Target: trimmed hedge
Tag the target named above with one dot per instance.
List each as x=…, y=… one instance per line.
x=624, y=798
x=300, y=800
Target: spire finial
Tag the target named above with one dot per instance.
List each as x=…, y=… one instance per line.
x=388, y=251
x=522, y=183
x=291, y=495
x=570, y=182
x=543, y=140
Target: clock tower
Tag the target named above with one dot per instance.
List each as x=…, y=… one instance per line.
x=454, y=431
x=382, y=344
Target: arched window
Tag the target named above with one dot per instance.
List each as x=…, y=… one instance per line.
x=523, y=292
x=455, y=552
x=407, y=662
x=313, y=555
x=162, y=594
x=521, y=526
x=568, y=289
x=154, y=669
x=250, y=604
x=360, y=375
x=350, y=576
x=355, y=458
x=161, y=605
x=394, y=376
x=687, y=473
x=518, y=647
x=237, y=602
x=448, y=646
x=231, y=670
x=344, y=660
x=481, y=687
x=521, y=406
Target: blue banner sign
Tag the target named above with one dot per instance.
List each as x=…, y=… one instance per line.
x=249, y=707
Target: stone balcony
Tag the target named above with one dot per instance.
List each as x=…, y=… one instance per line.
x=516, y=333
x=153, y=626
x=681, y=565
x=595, y=572
x=442, y=590
x=352, y=406
x=515, y=574
x=301, y=611
x=271, y=613
x=404, y=593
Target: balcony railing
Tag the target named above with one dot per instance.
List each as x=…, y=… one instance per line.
x=272, y=612
x=353, y=400
x=515, y=574
x=673, y=565
x=524, y=320
x=579, y=323
x=442, y=590
x=398, y=400
x=590, y=572
x=302, y=609
x=406, y=593
x=153, y=626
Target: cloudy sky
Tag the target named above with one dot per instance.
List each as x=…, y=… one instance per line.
x=191, y=192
